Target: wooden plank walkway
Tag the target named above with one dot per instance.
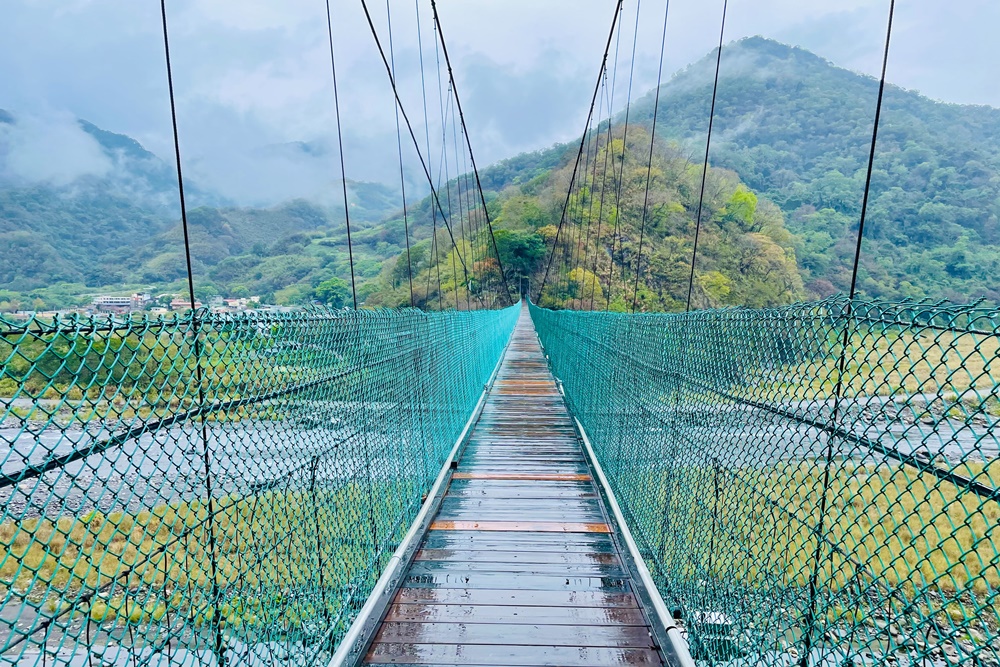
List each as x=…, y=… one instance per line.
x=520, y=566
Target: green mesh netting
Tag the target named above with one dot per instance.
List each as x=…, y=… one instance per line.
x=814, y=484
x=209, y=486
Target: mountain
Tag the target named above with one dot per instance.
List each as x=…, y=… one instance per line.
x=793, y=132
x=797, y=129
x=789, y=154
x=83, y=209
x=746, y=255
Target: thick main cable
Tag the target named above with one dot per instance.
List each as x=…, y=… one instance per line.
x=708, y=146
x=579, y=154
x=652, y=143
x=468, y=141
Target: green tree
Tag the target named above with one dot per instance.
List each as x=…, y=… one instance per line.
x=334, y=292
x=521, y=252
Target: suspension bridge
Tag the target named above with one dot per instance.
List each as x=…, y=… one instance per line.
x=493, y=482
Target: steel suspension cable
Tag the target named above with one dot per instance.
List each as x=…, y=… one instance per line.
x=583, y=139
x=649, y=166
x=427, y=139
x=447, y=183
x=593, y=187
x=810, y=620
x=462, y=196
x=708, y=146
x=195, y=325
x=472, y=156
x=608, y=147
x=596, y=132
x=406, y=119
x=399, y=149
x=444, y=155
x=621, y=176
x=586, y=187
x=340, y=150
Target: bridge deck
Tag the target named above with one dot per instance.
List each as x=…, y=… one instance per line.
x=521, y=565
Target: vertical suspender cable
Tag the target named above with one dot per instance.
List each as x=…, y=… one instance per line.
x=462, y=195
x=399, y=148
x=608, y=149
x=195, y=324
x=708, y=145
x=579, y=154
x=810, y=620
x=649, y=166
x=444, y=155
x=468, y=141
x=621, y=175
x=427, y=144
x=591, y=182
x=409, y=125
x=340, y=149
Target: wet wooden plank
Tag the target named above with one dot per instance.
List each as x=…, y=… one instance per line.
x=515, y=598
x=514, y=492
x=519, y=569
x=469, y=541
x=526, y=580
x=510, y=514
x=451, y=654
x=496, y=556
x=571, y=504
x=535, y=477
x=526, y=526
x=515, y=634
x=481, y=613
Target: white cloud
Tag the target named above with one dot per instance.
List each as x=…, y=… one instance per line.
x=51, y=149
x=255, y=72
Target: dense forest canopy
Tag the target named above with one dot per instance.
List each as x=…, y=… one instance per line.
x=745, y=253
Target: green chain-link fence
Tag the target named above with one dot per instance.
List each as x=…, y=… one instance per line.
x=182, y=489
x=812, y=484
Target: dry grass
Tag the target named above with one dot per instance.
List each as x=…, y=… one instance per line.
x=881, y=363
x=134, y=568
x=888, y=529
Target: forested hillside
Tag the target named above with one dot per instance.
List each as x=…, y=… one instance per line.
x=111, y=224
x=797, y=129
x=789, y=153
x=745, y=252
x=790, y=149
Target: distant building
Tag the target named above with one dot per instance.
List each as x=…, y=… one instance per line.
x=183, y=304
x=239, y=303
x=121, y=304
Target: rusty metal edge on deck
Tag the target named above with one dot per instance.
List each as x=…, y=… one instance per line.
x=359, y=635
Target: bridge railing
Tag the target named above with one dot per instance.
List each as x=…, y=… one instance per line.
x=216, y=487
x=817, y=482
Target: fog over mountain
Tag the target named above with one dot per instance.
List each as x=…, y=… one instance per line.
x=252, y=74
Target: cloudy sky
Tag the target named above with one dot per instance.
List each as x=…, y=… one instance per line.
x=252, y=75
